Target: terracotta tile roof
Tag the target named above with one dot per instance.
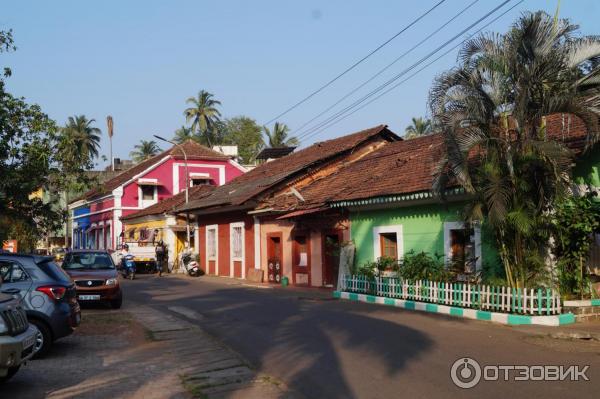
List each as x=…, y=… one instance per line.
x=192, y=149
x=169, y=204
x=265, y=176
x=400, y=167
x=406, y=167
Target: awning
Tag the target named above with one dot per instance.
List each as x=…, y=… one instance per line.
x=302, y=212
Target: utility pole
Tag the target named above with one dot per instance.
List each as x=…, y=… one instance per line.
x=109, y=122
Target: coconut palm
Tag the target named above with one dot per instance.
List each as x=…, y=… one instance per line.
x=278, y=137
x=492, y=109
x=144, y=150
x=419, y=127
x=185, y=133
x=82, y=136
x=203, y=113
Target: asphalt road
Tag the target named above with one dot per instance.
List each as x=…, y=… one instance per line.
x=337, y=349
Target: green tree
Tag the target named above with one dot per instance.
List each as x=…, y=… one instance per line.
x=418, y=127
x=29, y=160
x=185, y=133
x=246, y=134
x=144, y=150
x=278, y=137
x=492, y=108
x=203, y=114
x=84, y=138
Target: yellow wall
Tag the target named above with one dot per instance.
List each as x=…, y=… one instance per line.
x=150, y=225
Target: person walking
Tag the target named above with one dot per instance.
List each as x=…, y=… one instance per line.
x=161, y=257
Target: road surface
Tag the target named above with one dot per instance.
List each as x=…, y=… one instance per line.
x=325, y=348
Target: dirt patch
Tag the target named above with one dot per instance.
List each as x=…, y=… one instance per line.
x=116, y=323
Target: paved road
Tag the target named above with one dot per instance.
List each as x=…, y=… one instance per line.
x=337, y=349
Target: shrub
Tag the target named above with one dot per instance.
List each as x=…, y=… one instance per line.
x=422, y=266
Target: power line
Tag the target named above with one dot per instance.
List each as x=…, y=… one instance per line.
x=356, y=63
x=299, y=129
x=418, y=71
x=404, y=72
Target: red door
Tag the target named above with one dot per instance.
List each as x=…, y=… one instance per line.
x=274, y=257
x=331, y=256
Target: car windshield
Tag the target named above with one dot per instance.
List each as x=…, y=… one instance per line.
x=87, y=260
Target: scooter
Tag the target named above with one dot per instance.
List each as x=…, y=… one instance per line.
x=128, y=267
x=191, y=266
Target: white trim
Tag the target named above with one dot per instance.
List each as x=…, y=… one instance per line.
x=150, y=168
x=238, y=166
x=256, y=243
x=143, y=180
x=216, y=257
x=176, y=166
x=198, y=175
x=458, y=226
x=377, y=230
x=241, y=259
x=151, y=202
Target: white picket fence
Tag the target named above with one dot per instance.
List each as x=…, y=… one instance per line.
x=540, y=301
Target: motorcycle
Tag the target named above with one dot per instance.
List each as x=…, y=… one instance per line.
x=128, y=267
x=191, y=266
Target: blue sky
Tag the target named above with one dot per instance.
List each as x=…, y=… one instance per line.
x=139, y=60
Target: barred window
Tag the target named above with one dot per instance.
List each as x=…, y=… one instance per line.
x=236, y=242
x=211, y=242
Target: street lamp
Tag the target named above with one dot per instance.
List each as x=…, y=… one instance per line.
x=187, y=186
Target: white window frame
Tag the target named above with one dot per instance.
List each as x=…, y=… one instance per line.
x=232, y=227
x=448, y=226
x=146, y=203
x=378, y=230
x=214, y=227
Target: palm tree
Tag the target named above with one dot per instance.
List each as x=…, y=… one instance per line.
x=419, y=127
x=84, y=138
x=279, y=136
x=144, y=150
x=492, y=110
x=203, y=113
x=185, y=133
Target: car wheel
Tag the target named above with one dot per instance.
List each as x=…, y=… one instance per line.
x=43, y=339
x=116, y=303
x=11, y=371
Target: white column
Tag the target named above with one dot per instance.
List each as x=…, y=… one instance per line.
x=256, y=243
x=117, y=225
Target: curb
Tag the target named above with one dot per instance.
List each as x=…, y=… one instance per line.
x=589, y=302
x=502, y=318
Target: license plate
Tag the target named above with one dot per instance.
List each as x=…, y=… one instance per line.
x=89, y=297
x=28, y=342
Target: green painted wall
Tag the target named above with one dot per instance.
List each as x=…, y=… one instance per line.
x=422, y=228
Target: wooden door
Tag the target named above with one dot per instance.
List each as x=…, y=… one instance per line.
x=274, y=257
x=331, y=256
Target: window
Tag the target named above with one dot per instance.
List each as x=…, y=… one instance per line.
x=200, y=182
x=237, y=241
x=389, y=245
x=147, y=193
x=462, y=245
x=211, y=242
x=12, y=273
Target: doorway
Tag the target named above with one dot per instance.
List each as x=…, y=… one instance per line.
x=331, y=256
x=274, y=257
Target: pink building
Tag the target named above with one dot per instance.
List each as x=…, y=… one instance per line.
x=145, y=184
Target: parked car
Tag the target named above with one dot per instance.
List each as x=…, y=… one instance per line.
x=95, y=276
x=17, y=337
x=49, y=295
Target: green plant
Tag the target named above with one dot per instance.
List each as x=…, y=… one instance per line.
x=574, y=222
x=422, y=266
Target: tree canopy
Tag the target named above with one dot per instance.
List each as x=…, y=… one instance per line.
x=144, y=150
x=278, y=136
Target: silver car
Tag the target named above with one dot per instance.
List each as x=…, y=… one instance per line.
x=49, y=295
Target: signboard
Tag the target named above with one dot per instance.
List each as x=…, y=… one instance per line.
x=10, y=246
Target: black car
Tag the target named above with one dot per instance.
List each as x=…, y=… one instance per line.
x=49, y=295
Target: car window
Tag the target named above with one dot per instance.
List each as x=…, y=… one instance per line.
x=12, y=272
x=54, y=271
x=87, y=260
